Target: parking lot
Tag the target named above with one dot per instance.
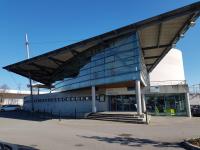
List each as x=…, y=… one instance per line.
x=46, y=134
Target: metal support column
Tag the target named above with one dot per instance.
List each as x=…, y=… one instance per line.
x=187, y=100
x=143, y=103
x=31, y=94
x=38, y=91
x=138, y=97
x=93, y=100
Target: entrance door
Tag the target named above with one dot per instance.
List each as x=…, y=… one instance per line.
x=122, y=103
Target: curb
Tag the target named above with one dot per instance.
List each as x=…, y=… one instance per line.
x=190, y=146
x=8, y=146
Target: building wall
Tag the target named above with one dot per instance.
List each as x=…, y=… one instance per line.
x=168, y=100
x=12, y=97
x=170, y=70
x=69, y=103
x=12, y=101
x=166, y=89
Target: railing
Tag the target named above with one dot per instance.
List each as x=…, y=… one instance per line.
x=154, y=85
x=167, y=82
x=195, y=89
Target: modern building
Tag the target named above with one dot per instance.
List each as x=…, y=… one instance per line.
x=12, y=97
x=108, y=72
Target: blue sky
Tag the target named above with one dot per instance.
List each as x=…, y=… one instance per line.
x=52, y=24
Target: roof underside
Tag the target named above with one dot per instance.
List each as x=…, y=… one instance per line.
x=157, y=36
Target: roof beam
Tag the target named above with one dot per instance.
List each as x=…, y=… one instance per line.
x=152, y=57
x=18, y=68
x=174, y=40
x=154, y=47
x=43, y=68
x=40, y=77
x=148, y=64
x=33, y=72
x=56, y=61
x=74, y=52
x=159, y=34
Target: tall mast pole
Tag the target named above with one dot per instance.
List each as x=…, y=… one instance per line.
x=27, y=46
x=30, y=81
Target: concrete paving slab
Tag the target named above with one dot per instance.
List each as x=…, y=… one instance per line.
x=82, y=134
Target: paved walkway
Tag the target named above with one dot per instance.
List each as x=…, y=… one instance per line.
x=162, y=133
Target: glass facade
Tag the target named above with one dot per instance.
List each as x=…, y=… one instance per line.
x=144, y=73
x=122, y=103
x=119, y=62
x=168, y=104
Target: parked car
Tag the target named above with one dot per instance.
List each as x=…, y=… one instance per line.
x=10, y=107
x=195, y=110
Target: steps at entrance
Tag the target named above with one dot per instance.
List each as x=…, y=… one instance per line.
x=118, y=117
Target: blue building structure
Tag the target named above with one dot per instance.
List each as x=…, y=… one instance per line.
x=120, y=61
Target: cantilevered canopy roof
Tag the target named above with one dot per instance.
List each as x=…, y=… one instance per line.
x=157, y=36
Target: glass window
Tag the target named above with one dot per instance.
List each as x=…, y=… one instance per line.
x=125, y=47
x=85, y=83
x=124, y=55
x=73, y=98
x=98, y=56
x=109, y=59
x=97, y=68
x=97, y=97
x=110, y=52
x=97, y=75
x=102, y=98
x=88, y=98
x=109, y=65
x=84, y=72
x=78, y=98
x=99, y=62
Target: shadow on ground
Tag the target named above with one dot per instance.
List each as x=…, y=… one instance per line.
x=9, y=146
x=127, y=140
x=24, y=115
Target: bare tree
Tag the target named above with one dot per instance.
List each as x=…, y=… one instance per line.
x=3, y=88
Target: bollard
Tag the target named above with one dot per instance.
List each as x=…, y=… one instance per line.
x=44, y=113
x=75, y=113
x=59, y=116
x=51, y=114
x=146, y=117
